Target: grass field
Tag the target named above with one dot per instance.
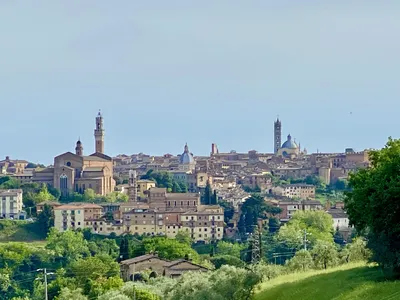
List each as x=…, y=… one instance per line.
x=349, y=282
x=19, y=231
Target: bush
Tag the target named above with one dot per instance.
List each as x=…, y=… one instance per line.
x=302, y=261
x=219, y=261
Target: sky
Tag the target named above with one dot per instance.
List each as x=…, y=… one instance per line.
x=165, y=73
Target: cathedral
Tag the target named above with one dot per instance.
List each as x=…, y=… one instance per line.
x=75, y=172
x=289, y=149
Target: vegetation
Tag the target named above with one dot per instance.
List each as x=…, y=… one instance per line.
x=347, y=282
x=166, y=180
x=17, y=230
x=253, y=209
x=373, y=204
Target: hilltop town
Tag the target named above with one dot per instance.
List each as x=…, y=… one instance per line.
x=135, y=217
x=162, y=195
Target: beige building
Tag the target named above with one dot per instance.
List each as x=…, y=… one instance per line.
x=11, y=204
x=76, y=172
x=144, y=222
x=9, y=166
x=73, y=216
x=205, y=224
x=295, y=191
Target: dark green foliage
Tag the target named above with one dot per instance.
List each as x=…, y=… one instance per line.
x=166, y=180
x=229, y=210
x=373, y=204
x=207, y=195
x=254, y=208
x=220, y=260
x=45, y=220
x=124, y=249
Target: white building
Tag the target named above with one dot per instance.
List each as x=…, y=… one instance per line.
x=74, y=216
x=340, y=219
x=11, y=204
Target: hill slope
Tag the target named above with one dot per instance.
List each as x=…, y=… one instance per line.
x=350, y=282
x=19, y=231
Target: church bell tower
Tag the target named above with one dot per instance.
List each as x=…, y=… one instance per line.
x=99, y=134
x=277, y=135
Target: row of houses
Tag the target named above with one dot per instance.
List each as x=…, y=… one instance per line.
x=161, y=214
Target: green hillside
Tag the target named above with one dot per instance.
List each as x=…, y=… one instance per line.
x=350, y=282
x=19, y=231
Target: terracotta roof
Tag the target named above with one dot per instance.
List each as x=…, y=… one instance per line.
x=178, y=261
x=78, y=206
x=140, y=259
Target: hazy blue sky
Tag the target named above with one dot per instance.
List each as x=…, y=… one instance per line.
x=169, y=72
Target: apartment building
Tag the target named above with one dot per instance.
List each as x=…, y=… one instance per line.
x=206, y=224
x=11, y=204
x=295, y=191
x=289, y=208
x=144, y=221
x=74, y=216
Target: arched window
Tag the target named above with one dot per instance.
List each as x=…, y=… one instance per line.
x=64, y=184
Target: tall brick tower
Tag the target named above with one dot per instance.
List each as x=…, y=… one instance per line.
x=99, y=134
x=277, y=135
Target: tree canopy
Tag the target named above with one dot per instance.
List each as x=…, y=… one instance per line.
x=373, y=204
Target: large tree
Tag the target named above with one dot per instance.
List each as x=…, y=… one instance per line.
x=373, y=204
x=45, y=219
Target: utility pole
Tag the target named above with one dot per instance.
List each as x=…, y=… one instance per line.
x=46, y=297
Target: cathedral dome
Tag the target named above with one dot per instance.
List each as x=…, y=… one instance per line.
x=186, y=157
x=289, y=144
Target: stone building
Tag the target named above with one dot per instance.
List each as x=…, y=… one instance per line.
x=75, y=215
x=75, y=172
x=9, y=166
x=295, y=191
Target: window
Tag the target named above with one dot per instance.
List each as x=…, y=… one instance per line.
x=79, y=223
x=205, y=229
x=79, y=212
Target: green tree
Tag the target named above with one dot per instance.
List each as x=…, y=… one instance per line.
x=221, y=260
x=207, y=196
x=43, y=195
x=232, y=249
x=302, y=261
x=184, y=237
x=124, y=248
x=318, y=225
x=67, y=246
x=89, y=195
x=93, y=267
x=45, y=219
x=67, y=294
x=324, y=254
x=373, y=204
x=169, y=248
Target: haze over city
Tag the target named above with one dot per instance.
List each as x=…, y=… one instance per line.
x=184, y=72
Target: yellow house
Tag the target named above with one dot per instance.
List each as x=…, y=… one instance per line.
x=144, y=185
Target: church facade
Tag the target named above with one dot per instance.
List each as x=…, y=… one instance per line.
x=75, y=172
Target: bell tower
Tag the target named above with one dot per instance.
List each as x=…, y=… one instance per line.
x=99, y=134
x=277, y=135
x=79, y=148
